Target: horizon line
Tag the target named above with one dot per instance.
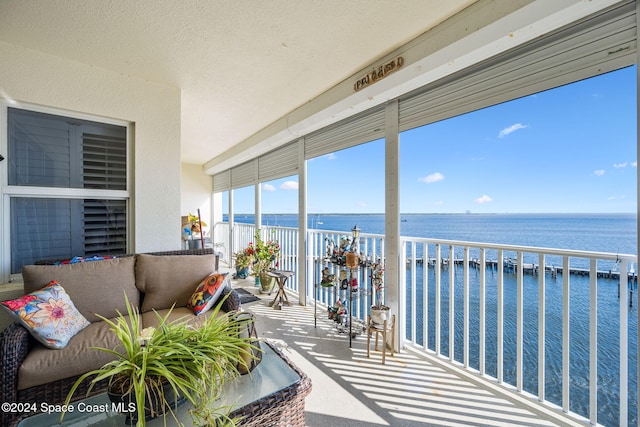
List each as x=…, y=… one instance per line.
x=450, y=213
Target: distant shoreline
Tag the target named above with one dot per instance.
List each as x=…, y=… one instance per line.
x=453, y=213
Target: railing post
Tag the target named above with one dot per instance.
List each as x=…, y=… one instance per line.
x=566, y=335
x=541, y=328
x=500, y=315
x=414, y=292
x=452, y=310
x=425, y=294
x=402, y=287
x=482, y=310
x=624, y=343
x=437, y=267
x=519, y=322
x=465, y=308
x=593, y=343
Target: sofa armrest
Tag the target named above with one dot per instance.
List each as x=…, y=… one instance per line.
x=15, y=343
x=231, y=300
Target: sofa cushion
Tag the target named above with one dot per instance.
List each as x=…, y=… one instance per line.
x=90, y=284
x=48, y=314
x=42, y=365
x=170, y=279
x=208, y=292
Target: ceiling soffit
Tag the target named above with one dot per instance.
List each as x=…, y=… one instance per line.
x=479, y=32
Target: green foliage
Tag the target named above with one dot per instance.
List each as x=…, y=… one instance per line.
x=243, y=258
x=265, y=254
x=194, y=359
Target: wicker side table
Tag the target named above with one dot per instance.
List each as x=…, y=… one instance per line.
x=284, y=407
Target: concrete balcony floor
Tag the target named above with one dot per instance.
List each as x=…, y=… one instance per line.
x=411, y=389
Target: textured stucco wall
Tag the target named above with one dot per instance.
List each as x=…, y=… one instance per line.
x=30, y=77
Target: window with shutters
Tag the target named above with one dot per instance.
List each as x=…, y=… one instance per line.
x=67, y=187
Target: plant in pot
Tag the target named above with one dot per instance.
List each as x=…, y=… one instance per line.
x=265, y=254
x=196, y=226
x=243, y=260
x=379, y=311
x=158, y=367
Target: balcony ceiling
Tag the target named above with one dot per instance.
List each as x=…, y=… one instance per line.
x=241, y=65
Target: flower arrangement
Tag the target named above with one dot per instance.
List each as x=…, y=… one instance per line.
x=244, y=258
x=264, y=254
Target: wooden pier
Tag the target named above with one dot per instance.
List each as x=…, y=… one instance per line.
x=510, y=265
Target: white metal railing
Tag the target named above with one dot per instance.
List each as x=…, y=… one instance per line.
x=220, y=237
x=524, y=293
x=522, y=316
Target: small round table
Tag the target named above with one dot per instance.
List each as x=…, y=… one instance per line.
x=281, y=296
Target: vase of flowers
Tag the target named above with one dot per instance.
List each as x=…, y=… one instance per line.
x=243, y=261
x=265, y=254
x=379, y=311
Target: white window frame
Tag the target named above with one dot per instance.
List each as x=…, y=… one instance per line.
x=7, y=192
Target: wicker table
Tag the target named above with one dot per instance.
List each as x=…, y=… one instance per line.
x=272, y=395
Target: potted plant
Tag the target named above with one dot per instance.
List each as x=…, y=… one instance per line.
x=379, y=311
x=265, y=254
x=157, y=367
x=195, y=225
x=243, y=260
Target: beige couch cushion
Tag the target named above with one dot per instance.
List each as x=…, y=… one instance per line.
x=170, y=279
x=95, y=287
x=43, y=365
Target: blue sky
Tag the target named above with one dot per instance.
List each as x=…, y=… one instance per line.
x=569, y=149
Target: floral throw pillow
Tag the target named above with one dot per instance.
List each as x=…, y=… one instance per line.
x=48, y=314
x=207, y=293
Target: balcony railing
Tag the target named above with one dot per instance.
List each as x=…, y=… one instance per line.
x=552, y=324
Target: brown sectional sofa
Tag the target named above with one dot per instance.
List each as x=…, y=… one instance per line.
x=33, y=373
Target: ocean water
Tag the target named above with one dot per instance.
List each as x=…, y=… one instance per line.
x=613, y=233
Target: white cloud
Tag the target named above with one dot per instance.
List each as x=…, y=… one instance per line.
x=620, y=165
x=634, y=164
x=599, y=172
x=438, y=203
x=430, y=179
x=331, y=156
x=289, y=185
x=506, y=131
x=268, y=187
x=483, y=199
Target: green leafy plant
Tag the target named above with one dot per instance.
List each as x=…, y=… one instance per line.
x=193, y=360
x=195, y=222
x=243, y=258
x=265, y=254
